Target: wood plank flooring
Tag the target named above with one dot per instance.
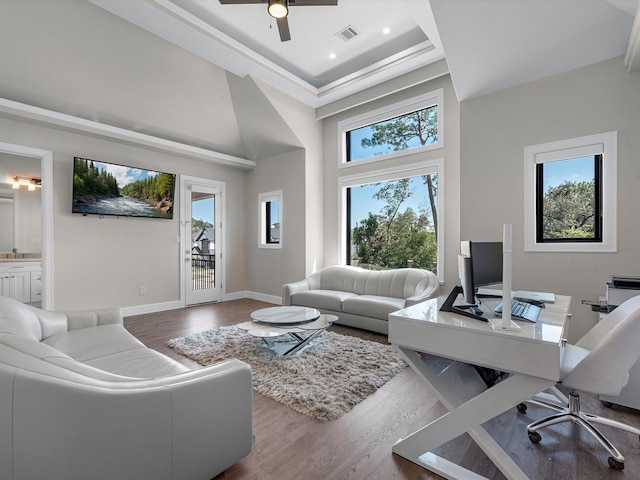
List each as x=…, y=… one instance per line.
x=292, y=446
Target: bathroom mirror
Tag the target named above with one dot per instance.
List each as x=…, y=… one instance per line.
x=20, y=209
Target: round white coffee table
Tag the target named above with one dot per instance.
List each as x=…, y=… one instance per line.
x=288, y=315
x=301, y=324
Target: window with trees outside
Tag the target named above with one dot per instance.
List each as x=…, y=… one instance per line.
x=389, y=132
x=271, y=219
x=571, y=195
x=391, y=218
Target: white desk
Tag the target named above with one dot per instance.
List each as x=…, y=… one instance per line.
x=425, y=336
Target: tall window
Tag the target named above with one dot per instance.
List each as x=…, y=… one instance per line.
x=391, y=218
x=570, y=195
x=385, y=133
x=270, y=219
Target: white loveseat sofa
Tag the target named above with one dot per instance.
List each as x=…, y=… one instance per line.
x=362, y=298
x=82, y=398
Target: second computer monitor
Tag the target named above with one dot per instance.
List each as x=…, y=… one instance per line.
x=481, y=264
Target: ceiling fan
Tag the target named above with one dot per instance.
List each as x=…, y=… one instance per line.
x=279, y=9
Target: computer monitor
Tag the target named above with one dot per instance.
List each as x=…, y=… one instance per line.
x=479, y=264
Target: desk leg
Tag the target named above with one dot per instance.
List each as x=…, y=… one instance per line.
x=470, y=404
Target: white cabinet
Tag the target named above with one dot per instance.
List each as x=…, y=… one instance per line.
x=22, y=281
x=36, y=286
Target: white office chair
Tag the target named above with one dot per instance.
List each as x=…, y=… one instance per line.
x=599, y=363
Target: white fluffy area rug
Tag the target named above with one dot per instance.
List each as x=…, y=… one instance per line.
x=323, y=381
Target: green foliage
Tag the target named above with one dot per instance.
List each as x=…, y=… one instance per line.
x=399, y=132
x=89, y=180
x=152, y=190
x=391, y=238
x=199, y=224
x=569, y=211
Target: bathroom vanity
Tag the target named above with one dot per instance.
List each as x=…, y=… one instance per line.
x=21, y=279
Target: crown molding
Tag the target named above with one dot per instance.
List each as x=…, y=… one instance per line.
x=77, y=124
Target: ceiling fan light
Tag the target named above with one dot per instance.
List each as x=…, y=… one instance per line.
x=278, y=8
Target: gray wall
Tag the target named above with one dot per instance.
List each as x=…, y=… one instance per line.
x=494, y=129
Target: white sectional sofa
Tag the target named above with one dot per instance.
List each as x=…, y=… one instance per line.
x=81, y=398
x=362, y=298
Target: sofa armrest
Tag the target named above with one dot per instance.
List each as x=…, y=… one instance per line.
x=289, y=289
x=425, y=294
x=93, y=318
x=191, y=425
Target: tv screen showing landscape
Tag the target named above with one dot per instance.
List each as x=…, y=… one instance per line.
x=101, y=188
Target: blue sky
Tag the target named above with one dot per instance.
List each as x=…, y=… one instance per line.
x=203, y=210
x=362, y=201
x=574, y=170
x=125, y=175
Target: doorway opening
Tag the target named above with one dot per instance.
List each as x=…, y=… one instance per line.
x=201, y=221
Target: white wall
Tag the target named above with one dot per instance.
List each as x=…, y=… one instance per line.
x=494, y=130
x=450, y=153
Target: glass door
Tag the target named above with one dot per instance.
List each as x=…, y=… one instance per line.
x=202, y=248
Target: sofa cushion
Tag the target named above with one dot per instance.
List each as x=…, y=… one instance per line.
x=321, y=299
x=139, y=363
x=94, y=342
x=372, y=306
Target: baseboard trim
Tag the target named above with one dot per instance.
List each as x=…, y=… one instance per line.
x=151, y=308
x=161, y=307
x=254, y=296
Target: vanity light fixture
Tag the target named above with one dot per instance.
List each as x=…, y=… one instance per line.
x=30, y=183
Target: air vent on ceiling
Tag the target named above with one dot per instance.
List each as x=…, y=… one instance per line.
x=347, y=33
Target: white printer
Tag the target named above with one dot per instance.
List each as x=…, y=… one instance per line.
x=620, y=289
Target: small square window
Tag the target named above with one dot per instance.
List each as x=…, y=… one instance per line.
x=570, y=195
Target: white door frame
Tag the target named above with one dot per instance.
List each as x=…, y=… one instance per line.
x=186, y=184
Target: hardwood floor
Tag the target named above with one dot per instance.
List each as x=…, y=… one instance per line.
x=291, y=446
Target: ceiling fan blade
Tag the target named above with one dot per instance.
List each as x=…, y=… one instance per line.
x=283, y=28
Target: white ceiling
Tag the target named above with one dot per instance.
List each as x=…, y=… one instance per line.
x=489, y=44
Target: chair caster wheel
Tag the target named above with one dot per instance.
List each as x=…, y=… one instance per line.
x=535, y=437
x=615, y=464
x=606, y=404
x=522, y=407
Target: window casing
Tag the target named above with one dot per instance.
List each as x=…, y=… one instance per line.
x=601, y=151
x=270, y=205
x=348, y=130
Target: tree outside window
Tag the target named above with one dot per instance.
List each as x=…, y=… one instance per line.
x=391, y=224
x=569, y=200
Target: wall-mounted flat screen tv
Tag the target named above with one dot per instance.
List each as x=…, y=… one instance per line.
x=101, y=188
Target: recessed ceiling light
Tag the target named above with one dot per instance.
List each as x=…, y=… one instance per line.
x=386, y=30
x=332, y=55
